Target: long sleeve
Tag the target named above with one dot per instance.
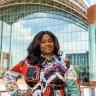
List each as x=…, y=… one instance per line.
x=11, y=77
x=71, y=73
x=10, y=80
x=71, y=82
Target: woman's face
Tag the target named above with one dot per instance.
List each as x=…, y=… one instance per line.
x=47, y=45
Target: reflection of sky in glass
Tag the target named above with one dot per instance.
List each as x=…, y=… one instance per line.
x=89, y=2
x=71, y=37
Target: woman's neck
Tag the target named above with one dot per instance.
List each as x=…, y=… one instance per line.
x=47, y=56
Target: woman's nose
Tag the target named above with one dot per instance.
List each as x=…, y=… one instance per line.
x=47, y=43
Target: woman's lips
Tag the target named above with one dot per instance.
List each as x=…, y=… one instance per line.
x=48, y=47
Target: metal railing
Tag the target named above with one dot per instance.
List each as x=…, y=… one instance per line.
x=70, y=7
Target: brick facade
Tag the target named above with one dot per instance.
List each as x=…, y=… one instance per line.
x=91, y=14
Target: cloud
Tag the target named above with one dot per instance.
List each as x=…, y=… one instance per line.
x=92, y=2
x=89, y=2
x=23, y=33
x=73, y=44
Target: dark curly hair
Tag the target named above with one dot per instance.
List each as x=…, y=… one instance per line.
x=34, y=53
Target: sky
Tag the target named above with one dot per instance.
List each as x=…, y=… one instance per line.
x=28, y=27
x=90, y=2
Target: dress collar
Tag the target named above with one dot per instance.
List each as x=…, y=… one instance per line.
x=52, y=59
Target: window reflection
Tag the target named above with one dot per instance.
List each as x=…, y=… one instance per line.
x=16, y=38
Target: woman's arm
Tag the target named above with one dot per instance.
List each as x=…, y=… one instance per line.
x=71, y=82
x=10, y=80
x=11, y=77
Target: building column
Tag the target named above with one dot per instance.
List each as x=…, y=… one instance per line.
x=91, y=18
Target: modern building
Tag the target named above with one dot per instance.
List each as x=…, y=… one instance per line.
x=79, y=59
x=20, y=20
x=81, y=63
x=4, y=63
x=91, y=18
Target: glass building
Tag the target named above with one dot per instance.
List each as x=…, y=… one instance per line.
x=20, y=20
x=91, y=15
x=81, y=64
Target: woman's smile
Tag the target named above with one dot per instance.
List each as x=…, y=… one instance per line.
x=47, y=45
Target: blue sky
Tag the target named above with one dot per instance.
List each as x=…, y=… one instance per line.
x=90, y=2
x=24, y=30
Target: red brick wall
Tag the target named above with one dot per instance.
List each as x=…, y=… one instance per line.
x=91, y=14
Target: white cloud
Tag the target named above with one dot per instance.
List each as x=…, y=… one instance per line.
x=80, y=45
x=23, y=33
x=89, y=2
x=73, y=47
x=92, y=2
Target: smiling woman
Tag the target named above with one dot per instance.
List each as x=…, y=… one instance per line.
x=21, y=20
x=44, y=70
x=47, y=45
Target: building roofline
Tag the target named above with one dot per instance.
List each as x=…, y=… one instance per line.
x=64, y=5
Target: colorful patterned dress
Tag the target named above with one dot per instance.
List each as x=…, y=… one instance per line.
x=51, y=79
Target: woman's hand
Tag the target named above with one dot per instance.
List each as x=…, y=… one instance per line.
x=26, y=94
x=67, y=63
x=19, y=92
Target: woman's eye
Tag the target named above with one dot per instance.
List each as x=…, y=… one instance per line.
x=46, y=41
x=50, y=41
x=43, y=42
